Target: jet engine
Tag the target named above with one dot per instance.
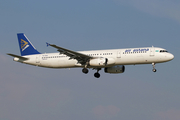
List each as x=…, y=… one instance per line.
x=115, y=69
x=101, y=62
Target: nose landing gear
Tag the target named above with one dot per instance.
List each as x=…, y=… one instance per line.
x=154, y=69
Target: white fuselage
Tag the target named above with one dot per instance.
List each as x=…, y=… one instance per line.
x=129, y=56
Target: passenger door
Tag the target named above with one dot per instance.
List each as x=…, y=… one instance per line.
x=152, y=51
x=118, y=54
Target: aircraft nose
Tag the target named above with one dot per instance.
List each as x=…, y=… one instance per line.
x=171, y=56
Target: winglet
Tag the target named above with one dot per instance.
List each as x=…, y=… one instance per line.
x=48, y=44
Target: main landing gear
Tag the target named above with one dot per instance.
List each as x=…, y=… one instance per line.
x=85, y=70
x=97, y=75
x=154, y=70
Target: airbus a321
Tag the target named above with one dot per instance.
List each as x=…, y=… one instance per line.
x=112, y=60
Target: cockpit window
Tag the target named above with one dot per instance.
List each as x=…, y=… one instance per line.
x=163, y=51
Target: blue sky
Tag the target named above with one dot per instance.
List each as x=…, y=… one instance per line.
x=28, y=92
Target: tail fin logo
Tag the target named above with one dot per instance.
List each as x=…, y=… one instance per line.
x=24, y=45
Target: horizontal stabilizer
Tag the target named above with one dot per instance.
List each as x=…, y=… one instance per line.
x=17, y=56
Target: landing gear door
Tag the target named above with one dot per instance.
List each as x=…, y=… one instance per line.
x=118, y=54
x=152, y=51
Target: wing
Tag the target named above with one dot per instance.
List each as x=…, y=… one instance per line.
x=81, y=58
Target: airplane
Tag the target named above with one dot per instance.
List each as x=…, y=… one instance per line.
x=111, y=60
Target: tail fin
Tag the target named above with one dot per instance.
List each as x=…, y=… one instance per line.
x=26, y=47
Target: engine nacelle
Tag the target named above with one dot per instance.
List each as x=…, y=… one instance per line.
x=115, y=69
x=101, y=62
